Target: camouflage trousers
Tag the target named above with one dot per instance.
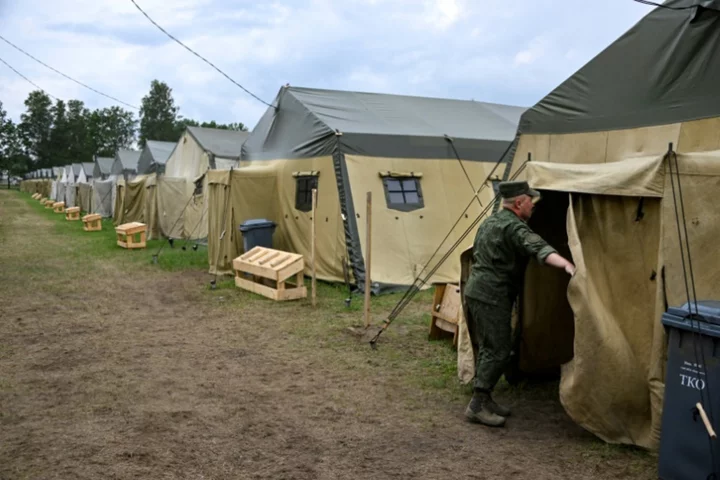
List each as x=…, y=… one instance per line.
x=491, y=329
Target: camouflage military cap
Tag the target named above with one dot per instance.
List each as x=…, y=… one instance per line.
x=515, y=189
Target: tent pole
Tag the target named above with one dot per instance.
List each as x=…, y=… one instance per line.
x=368, y=249
x=313, y=241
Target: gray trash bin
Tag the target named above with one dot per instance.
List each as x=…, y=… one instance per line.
x=685, y=446
x=257, y=233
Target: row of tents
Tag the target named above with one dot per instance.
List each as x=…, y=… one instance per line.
x=597, y=147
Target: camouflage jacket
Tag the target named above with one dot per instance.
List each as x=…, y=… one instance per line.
x=503, y=245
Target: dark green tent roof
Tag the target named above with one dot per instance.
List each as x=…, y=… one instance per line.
x=306, y=122
x=665, y=69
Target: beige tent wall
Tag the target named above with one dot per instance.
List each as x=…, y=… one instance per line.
x=195, y=220
x=186, y=164
x=119, y=207
x=150, y=213
x=42, y=187
x=221, y=251
x=134, y=200
x=604, y=147
x=84, y=197
x=403, y=242
x=188, y=160
x=250, y=193
x=294, y=227
x=171, y=200
x=700, y=182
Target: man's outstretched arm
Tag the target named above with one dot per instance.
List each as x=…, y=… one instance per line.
x=557, y=261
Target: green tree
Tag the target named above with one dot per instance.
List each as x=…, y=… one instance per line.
x=36, y=127
x=60, y=141
x=81, y=146
x=158, y=114
x=13, y=160
x=111, y=129
x=239, y=126
x=183, y=123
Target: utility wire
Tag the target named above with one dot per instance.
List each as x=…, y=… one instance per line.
x=668, y=7
x=28, y=80
x=66, y=76
x=198, y=55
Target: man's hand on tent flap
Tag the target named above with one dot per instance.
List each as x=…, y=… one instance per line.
x=558, y=261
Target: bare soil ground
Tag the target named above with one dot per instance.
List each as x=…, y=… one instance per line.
x=119, y=369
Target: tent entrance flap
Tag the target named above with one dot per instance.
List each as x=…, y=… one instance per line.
x=597, y=329
x=634, y=177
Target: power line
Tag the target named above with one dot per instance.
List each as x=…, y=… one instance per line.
x=199, y=56
x=28, y=80
x=668, y=7
x=66, y=76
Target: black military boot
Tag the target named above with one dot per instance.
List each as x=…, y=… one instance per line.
x=479, y=412
x=496, y=408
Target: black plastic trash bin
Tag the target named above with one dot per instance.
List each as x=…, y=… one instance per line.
x=257, y=233
x=686, y=450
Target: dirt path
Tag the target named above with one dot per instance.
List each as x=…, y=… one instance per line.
x=108, y=375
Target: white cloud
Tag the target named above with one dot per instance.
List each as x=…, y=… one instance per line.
x=487, y=50
x=533, y=53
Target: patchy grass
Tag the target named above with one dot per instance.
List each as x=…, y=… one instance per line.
x=156, y=375
x=102, y=244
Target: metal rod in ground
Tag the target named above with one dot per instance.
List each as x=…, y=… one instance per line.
x=313, y=241
x=368, y=258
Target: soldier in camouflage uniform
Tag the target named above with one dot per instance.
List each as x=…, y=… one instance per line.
x=502, y=247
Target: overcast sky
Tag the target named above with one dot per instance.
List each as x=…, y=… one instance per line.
x=511, y=52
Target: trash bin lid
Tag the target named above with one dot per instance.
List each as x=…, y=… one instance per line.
x=708, y=309
x=707, y=324
x=256, y=223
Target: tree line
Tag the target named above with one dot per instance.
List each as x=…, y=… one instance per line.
x=58, y=133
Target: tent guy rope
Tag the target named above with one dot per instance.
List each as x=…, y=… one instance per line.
x=689, y=279
x=415, y=288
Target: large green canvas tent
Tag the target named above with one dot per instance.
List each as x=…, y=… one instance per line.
x=598, y=145
x=347, y=144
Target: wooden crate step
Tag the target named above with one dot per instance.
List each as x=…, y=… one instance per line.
x=72, y=213
x=49, y=203
x=59, y=207
x=265, y=265
x=127, y=233
x=445, y=314
x=92, y=222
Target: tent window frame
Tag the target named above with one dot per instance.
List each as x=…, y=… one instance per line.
x=304, y=185
x=396, y=187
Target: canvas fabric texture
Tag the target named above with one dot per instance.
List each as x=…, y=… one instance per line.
x=171, y=201
x=70, y=194
x=85, y=197
x=246, y=194
x=103, y=197
x=602, y=328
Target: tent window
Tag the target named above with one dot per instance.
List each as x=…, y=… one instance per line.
x=303, y=192
x=403, y=193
